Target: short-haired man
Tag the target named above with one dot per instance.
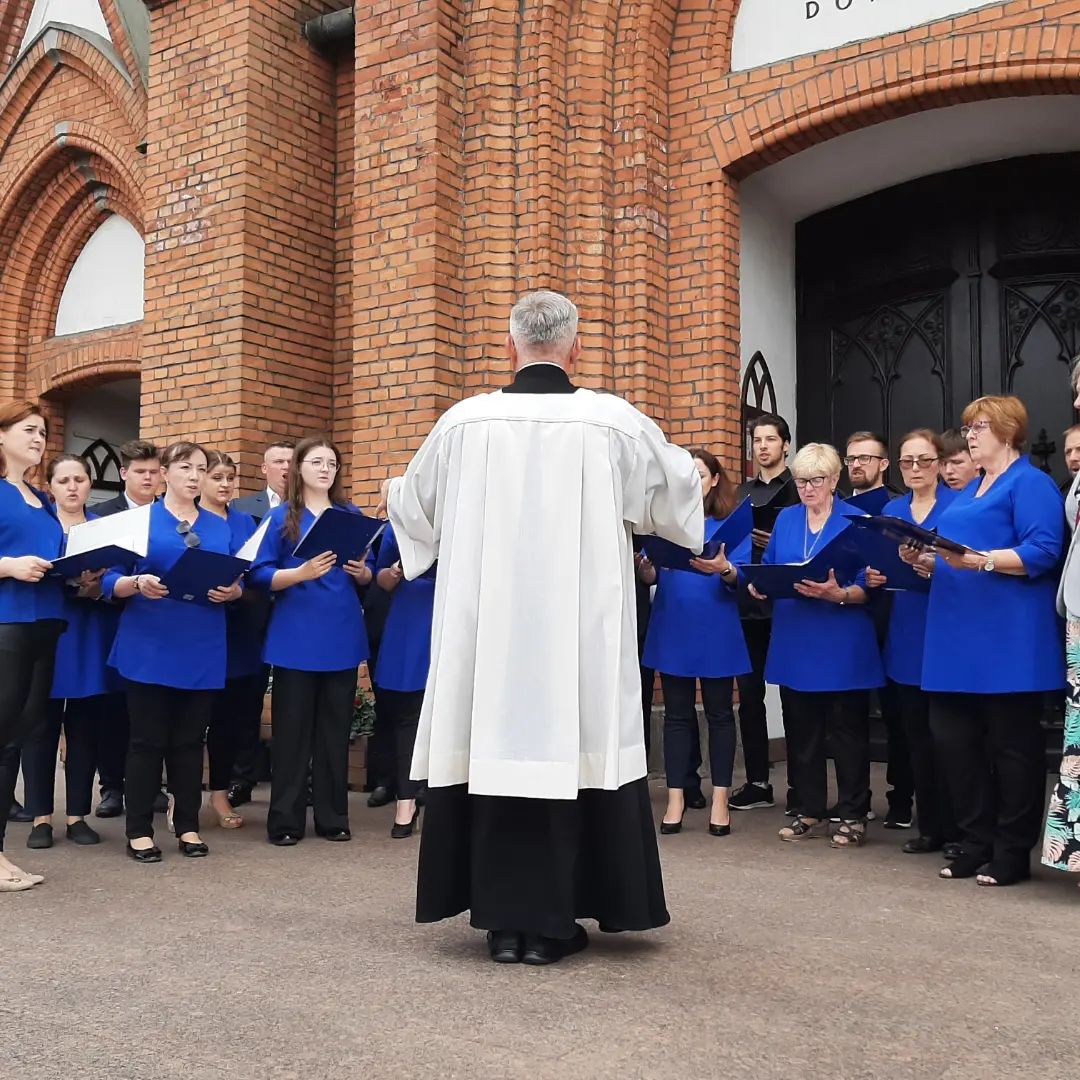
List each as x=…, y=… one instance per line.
x=957, y=468
x=867, y=461
x=276, y=462
x=1072, y=454
x=769, y=491
x=140, y=469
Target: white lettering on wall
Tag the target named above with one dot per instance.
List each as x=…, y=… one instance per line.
x=770, y=30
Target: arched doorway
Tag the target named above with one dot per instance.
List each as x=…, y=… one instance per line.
x=97, y=422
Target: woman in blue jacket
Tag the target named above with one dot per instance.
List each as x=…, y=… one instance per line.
x=402, y=668
x=171, y=652
x=994, y=645
x=31, y=604
x=315, y=642
x=695, y=636
x=84, y=690
x=824, y=651
x=239, y=706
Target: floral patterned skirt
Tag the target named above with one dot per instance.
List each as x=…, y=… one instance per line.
x=1061, y=846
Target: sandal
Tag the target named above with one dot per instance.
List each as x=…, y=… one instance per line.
x=963, y=866
x=803, y=829
x=850, y=834
x=997, y=875
x=231, y=820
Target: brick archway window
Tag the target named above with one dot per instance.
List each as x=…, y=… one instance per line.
x=758, y=398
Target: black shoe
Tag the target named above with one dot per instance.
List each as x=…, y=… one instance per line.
x=833, y=814
x=538, y=950
x=40, y=837
x=920, y=845
x=193, y=850
x=695, y=800
x=337, y=835
x=81, y=833
x=18, y=813
x=285, y=840
x=161, y=802
x=402, y=832
x=897, y=819
x=148, y=855
x=790, y=809
x=238, y=793
x=380, y=797
x=751, y=797
x=504, y=946
x=111, y=805
x=719, y=830
x=953, y=849
x=670, y=828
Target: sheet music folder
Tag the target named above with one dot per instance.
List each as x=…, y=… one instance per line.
x=196, y=572
x=733, y=530
x=346, y=533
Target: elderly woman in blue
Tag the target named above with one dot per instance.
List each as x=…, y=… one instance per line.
x=695, y=635
x=993, y=645
x=85, y=690
x=171, y=652
x=31, y=604
x=402, y=668
x=921, y=452
x=824, y=653
x=316, y=641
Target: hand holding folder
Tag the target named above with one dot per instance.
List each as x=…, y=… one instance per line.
x=197, y=574
x=841, y=557
x=733, y=530
x=346, y=533
x=118, y=540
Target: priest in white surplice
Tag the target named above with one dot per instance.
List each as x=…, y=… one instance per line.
x=530, y=738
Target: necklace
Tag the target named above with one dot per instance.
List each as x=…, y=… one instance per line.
x=807, y=547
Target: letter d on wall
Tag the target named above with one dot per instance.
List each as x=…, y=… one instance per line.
x=813, y=9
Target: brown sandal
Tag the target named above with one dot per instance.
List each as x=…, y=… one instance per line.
x=803, y=829
x=849, y=834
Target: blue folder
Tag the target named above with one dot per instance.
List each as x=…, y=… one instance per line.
x=844, y=554
x=899, y=531
x=71, y=566
x=196, y=572
x=346, y=533
x=733, y=530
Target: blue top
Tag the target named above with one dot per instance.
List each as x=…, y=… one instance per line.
x=82, y=653
x=171, y=642
x=694, y=629
x=29, y=530
x=903, y=654
x=245, y=619
x=405, y=649
x=315, y=625
x=817, y=645
x=991, y=633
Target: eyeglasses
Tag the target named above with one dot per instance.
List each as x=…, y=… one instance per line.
x=863, y=459
x=191, y=538
x=975, y=429
x=802, y=482
x=322, y=463
x=922, y=462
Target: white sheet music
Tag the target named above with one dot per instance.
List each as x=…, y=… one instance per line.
x=129, y=530
x=253, y=543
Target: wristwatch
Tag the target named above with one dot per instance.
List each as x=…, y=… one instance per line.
x=988, y=566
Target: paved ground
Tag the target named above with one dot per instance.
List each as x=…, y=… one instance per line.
x=781, y=961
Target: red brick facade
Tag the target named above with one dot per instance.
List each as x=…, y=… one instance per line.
x=335, y=241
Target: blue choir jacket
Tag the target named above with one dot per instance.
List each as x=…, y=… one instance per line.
x=316, y=625
x=29, y=530
x=405, y=649
x=990, y=633
x=817, y=645
x=694, y=629
x=170, y=642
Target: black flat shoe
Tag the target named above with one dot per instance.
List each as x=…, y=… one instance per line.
x=285, y=840
x=192, y=850
x=402, y=832
x=81, y=833
x=19, y=813
x=146, y=855
x=338, y=836
x=111, y=805
x=40, y=837
x=670, y=828
x=504, y=946
x=161, y=802
x=695, y=800
x=921, y=845
x=380, y=797
x=238, y=794
x=953, y=849
x=719, y=830
x=538, y=950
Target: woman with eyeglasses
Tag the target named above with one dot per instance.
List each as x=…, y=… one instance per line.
x=240, y=704
x=85, y=690
x=920, y=464
x=31, y=604
x=993, y=645
x=171, y=653
x=695, y=636
x=824, y=653
x=316, y=641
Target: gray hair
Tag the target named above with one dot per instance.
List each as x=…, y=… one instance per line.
x=816, y=459
x=543, y=320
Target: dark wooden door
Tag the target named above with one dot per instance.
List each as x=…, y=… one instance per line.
x=915, y=300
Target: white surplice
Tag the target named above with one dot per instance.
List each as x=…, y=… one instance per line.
x=528, y=501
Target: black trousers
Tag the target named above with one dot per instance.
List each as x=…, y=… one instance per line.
x=753, y=718
x=403, y=710
x=167, y=727
x=82, y=720
x=898, y=771
x=245, y=766
x=648, y=691
x=236, y=710
x=27, y=657
x=994, y=753
x=681, y=727
x=837, y=718
x=114, y=734
x=382, y=765
x=926, y=762
x=311, y=715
